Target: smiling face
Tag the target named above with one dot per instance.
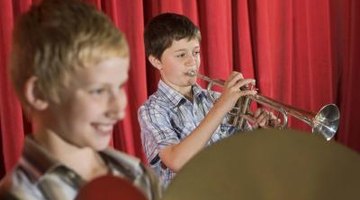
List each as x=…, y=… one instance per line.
x=182, y=57
x=91, y=105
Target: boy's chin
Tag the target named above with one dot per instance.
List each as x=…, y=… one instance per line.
x=99, y=145
x=103, y=146
x=192, y=81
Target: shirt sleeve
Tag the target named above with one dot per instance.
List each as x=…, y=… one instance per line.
x=16, y=185
x=156, y=130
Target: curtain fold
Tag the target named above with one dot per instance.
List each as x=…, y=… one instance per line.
x=12, y=133
x=301, y=52
x=349, y=62
x=217, y=36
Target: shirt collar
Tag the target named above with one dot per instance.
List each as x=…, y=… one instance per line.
x=39, y=162
x=173, y=97
x=37, y=158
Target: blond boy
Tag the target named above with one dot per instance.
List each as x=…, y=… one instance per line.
x=69, y=64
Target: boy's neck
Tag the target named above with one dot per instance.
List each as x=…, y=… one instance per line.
x=189, y=96
x=185, y=91
x=84, y=161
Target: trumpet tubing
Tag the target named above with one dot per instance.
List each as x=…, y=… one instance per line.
x=325, y=122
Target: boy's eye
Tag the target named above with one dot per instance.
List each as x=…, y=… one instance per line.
x=196, y=53
x=181, y=55
x=97, y=91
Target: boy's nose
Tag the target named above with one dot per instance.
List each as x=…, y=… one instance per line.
x=192, y=60
x=116, y=106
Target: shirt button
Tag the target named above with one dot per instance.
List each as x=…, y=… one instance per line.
x=71, y=175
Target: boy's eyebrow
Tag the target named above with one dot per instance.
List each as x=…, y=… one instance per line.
x=180, y=50
x=185, y=49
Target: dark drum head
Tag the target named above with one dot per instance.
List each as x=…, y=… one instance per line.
x=270, y=164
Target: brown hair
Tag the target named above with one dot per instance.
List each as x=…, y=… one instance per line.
x=163, y=29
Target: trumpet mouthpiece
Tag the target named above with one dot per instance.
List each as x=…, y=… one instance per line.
x=191, y=73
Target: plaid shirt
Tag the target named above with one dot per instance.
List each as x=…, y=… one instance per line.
x=39, y=176
x=167, y=117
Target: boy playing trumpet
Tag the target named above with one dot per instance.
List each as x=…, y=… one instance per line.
x=180, y=118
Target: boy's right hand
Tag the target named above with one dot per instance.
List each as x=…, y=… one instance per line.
x=234, y=88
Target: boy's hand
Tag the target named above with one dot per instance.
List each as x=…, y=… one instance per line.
x=265, y=119
x=234, y=88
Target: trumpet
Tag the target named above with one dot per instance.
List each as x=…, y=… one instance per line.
x=325, y=122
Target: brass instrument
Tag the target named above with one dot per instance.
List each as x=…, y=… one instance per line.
x=325, y=122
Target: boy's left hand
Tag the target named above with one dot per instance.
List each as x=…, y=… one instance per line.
x=265, y=119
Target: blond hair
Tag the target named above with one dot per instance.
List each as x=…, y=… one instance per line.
x=54, y=38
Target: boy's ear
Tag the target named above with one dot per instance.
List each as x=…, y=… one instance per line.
x=33, y=96
x=155, y=62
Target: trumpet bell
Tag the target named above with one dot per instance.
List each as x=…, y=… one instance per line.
x=326, y=121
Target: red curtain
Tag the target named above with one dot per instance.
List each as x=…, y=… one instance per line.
x=301, y=52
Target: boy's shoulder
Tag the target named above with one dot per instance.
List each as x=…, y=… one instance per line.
x=16, y=185
x=122, y=159
x=166, y=98
x=140, y=174
x=131, y=166
x=156, y=102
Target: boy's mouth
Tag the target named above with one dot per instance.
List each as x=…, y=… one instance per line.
x=104, y=128
x=191, y=73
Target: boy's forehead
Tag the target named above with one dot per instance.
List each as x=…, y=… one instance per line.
x=95, y=70
x=185, y=43
x=117, y=61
